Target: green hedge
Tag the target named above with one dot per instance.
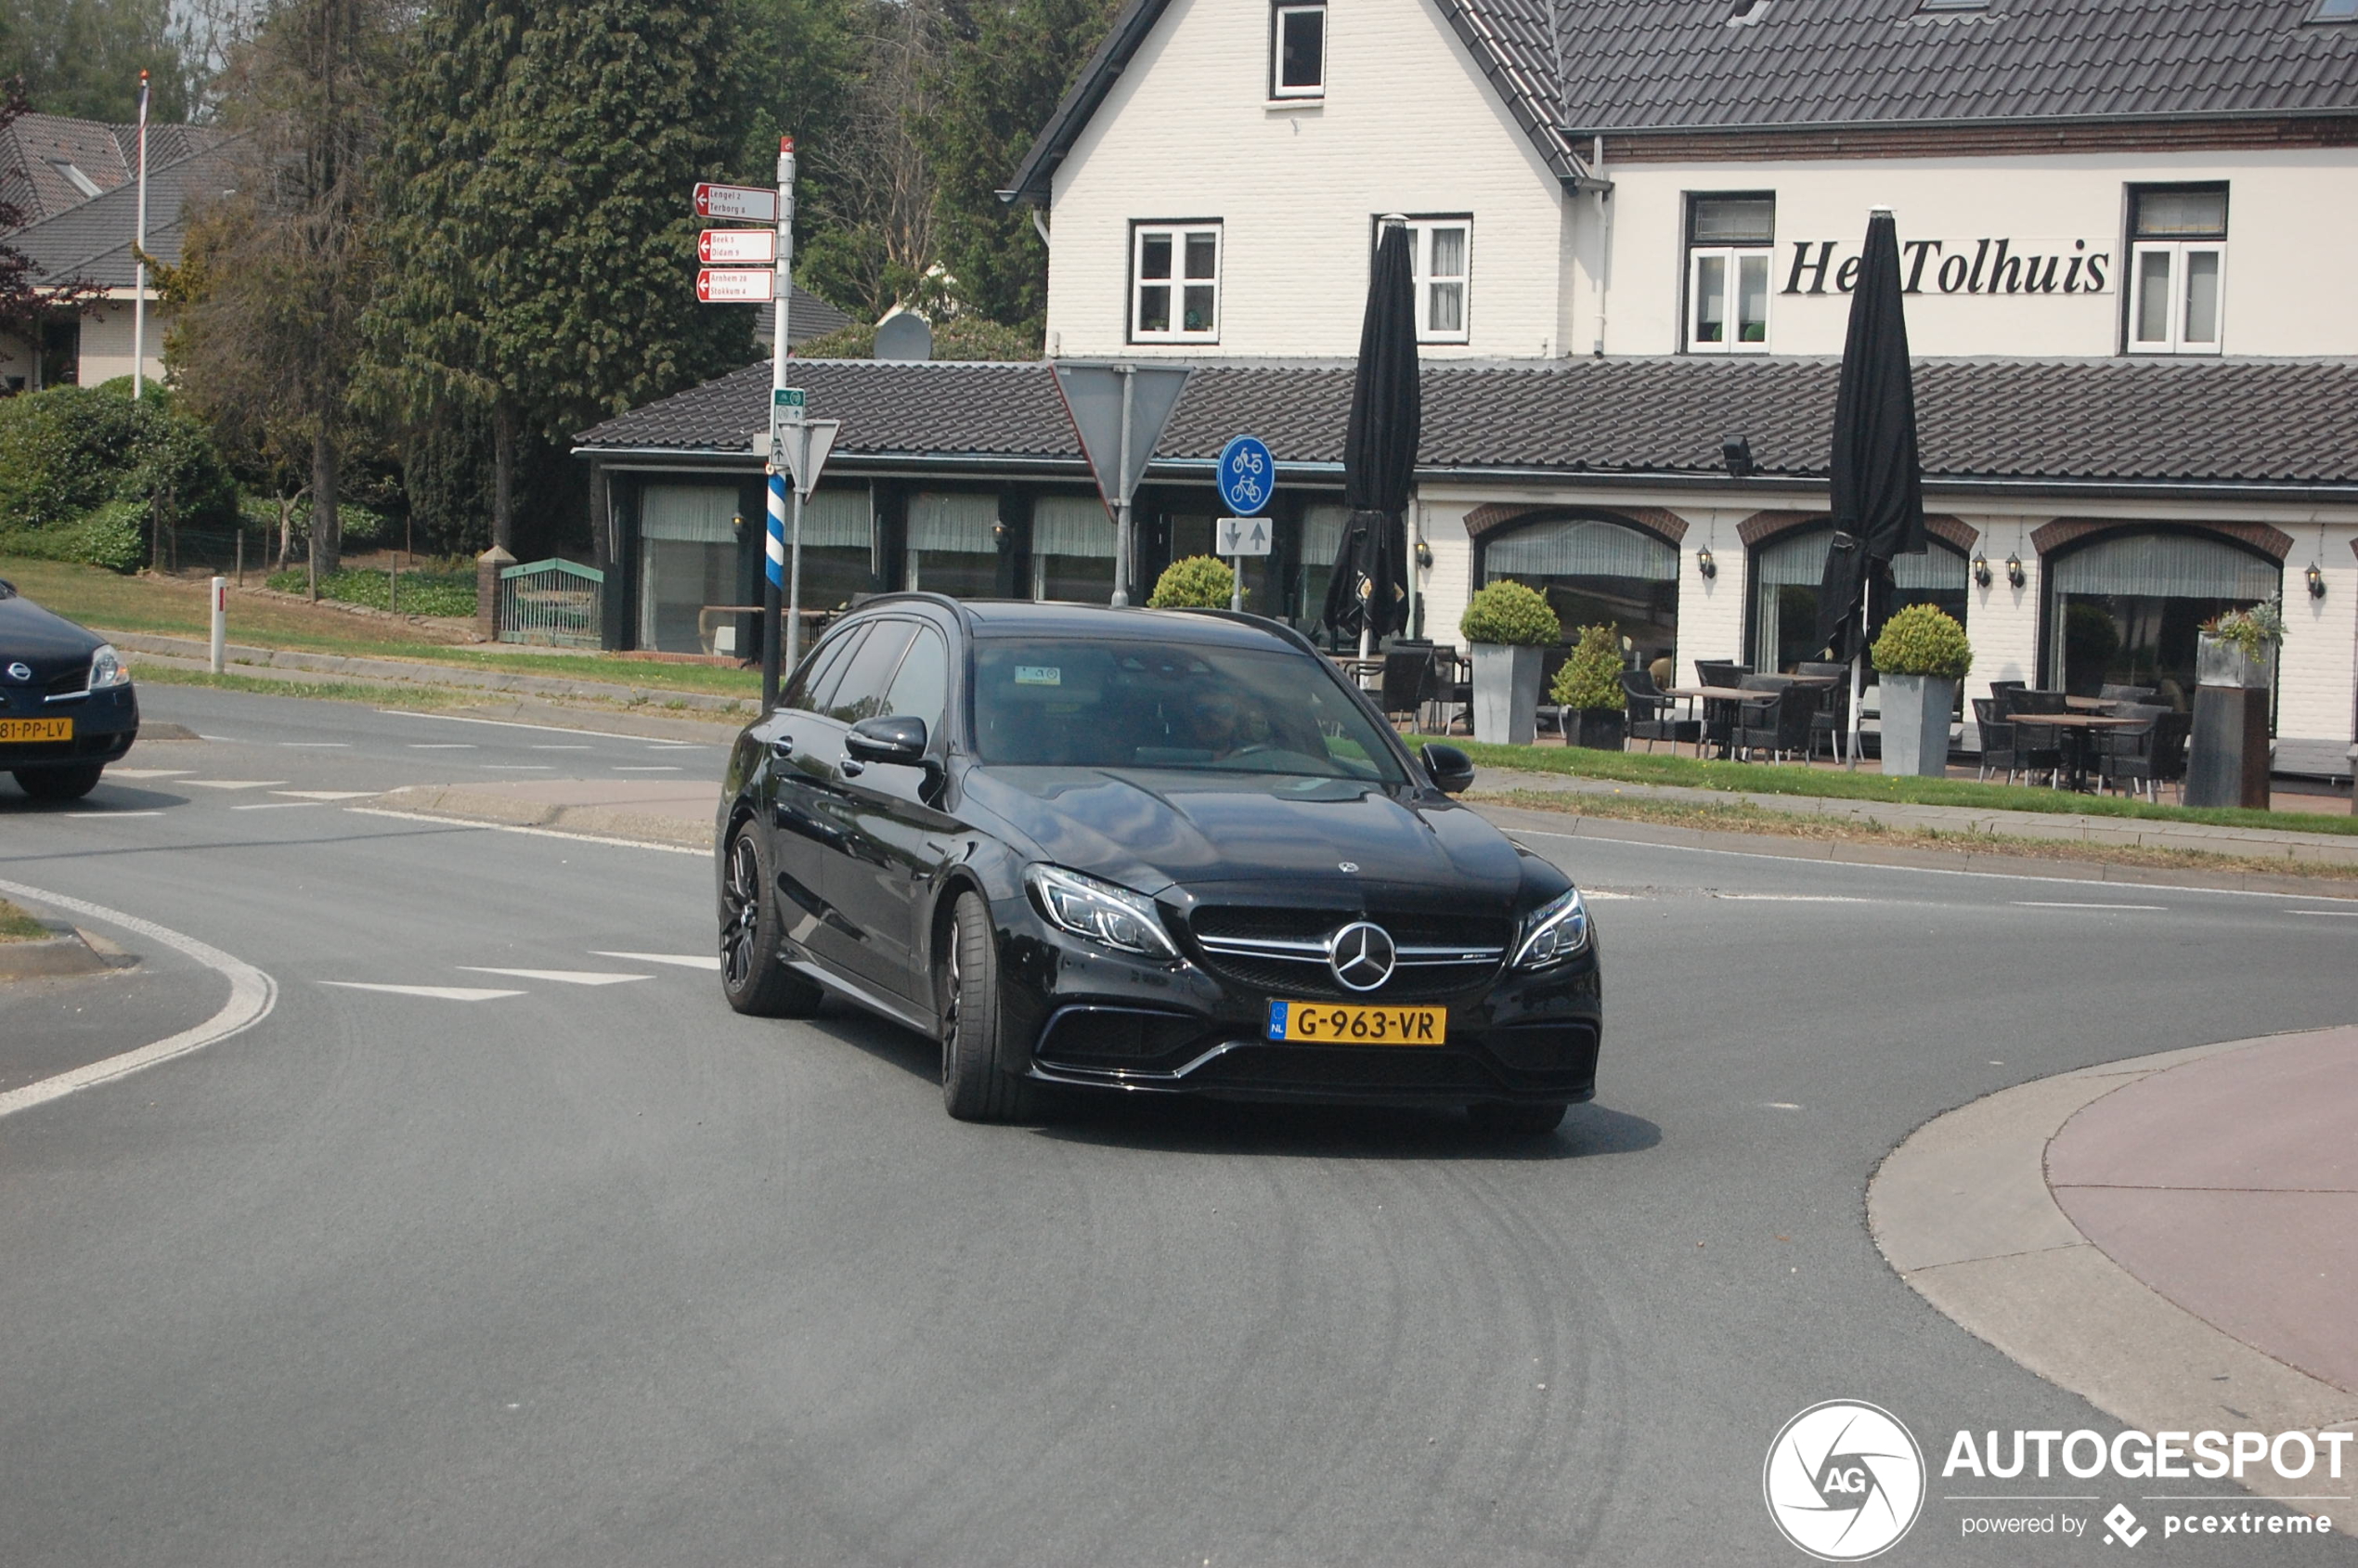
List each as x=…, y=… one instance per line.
x=113, y=535
x=422, y=593
x=1199, y=582
x=67, y=451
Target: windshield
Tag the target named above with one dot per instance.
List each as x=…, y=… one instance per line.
x=1080, y=704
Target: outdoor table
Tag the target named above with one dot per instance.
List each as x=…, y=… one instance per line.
x=2075, y=728
x=1717, y=694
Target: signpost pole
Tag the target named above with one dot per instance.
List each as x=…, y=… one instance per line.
x=1121, y=525
x=775, y=547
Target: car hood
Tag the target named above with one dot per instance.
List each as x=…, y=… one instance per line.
x=1148, y=828
x=51, y=645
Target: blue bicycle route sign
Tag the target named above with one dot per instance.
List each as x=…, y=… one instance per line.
x=1248, y=475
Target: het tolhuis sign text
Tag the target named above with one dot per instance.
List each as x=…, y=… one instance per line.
x=1960, y=267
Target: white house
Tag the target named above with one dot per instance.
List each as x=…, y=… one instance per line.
x=2122, y=225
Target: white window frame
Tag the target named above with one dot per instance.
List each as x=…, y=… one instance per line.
x=1421, y=233
x=1732, y=258
x=1279, y=91
x=1178, y=233
x=2174, y=339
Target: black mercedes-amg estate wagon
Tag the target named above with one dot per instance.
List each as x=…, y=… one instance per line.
x=1143, y=849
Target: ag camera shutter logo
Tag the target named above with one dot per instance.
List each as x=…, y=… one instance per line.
x=1844, y=1481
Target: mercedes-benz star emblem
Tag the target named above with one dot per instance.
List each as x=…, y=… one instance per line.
x=1346, y=865
x=20, y=672
x=1361, y=955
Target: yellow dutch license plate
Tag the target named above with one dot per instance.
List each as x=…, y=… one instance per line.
x=36, y=728
x=1339, y=1023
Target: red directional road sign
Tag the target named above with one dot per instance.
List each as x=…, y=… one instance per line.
x=746, y=203
x=716, y=285
x=737, y=247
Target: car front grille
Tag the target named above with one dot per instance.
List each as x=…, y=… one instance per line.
x=1282, y=951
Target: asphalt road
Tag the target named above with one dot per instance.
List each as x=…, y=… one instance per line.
x=588, y=1273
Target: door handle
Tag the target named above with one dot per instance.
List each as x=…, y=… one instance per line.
x=850, y=766
x=783, y=748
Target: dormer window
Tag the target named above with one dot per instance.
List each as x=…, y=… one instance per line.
x=75, y=177
x=2335, y=11
x=1936, y=6
x=1298, y=52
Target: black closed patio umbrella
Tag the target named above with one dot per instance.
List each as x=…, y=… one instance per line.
x=1368, y=596
x=1878, y=482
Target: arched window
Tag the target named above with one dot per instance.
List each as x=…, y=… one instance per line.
x=2125, y=609
x=1595, y=571
x=1785, y=575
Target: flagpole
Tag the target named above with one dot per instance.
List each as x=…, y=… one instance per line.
x=139, y=257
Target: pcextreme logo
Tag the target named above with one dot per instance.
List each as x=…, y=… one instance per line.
x=1844, y=1481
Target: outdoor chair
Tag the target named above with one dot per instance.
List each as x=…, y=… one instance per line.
x=1997, y=739
x=1778, y=722
x=1550, y=715
x=2004, y=692
x=2038, y=748
x=1651, y=716
x=1833, y=718
x=1718, y=715
x=1408, y=678
x=2148, y=756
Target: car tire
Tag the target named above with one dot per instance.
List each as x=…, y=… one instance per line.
x=975, y=1086
x=59, y=784
x=753, y=977
x=1518, y=1118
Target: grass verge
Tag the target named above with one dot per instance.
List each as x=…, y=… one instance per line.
x=170, y=607
x=1760, y=778
x=16, y=926
x=402, y=695
x=1737, y=816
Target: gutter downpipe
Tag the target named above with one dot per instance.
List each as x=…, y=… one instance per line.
x=1604, y=240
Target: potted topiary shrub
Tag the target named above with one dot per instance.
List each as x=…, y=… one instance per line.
x=1507, y=625
x=1587, y=690
x=1920, y=656
x=1199, y=582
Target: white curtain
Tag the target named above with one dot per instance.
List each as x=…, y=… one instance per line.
x=954, y=524
x=1799, y=561
x=1322, y=534
x=1071, y=526
x=1585, y=547
x=2166, y=566
x=700, y=513
x=836, y=519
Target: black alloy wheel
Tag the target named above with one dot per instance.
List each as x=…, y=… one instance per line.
x=1515, y=1118
x=753, y=977
x=59, y=784
x=975, y=1086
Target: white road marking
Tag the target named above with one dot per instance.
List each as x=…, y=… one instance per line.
x=273, y=805
x=2344, y=914
x=236, y=784
x=114, y=813
x=1595, y=895
x=517, y=768
x=149, y=772
x=439, y=992
x=561, y=976
x=315, y=745
x=229, y=739
x=647, y=768
x=1783, y=1105
x=684, y=960
x=444, y=746
x=532, y=832
x=2052, y=903
x=565, y=749
x=1796, y=898
x=326, y=793
x=506, y=724
x=252, y=995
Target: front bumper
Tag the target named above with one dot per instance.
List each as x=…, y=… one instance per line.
x=105, y=723
x=1098, y=1019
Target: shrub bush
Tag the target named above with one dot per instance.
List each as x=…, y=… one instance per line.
x=1923, y=640
x=1199, y=582
x=68, y=450
x=1590, y=680
x=422, y=593
x=2251, y=631
x=1509, y=612
x=113, y=535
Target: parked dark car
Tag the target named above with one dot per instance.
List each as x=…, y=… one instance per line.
x=66, y=708
x=1143, y=849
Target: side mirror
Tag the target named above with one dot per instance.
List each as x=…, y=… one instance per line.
x=899, y=740
x=1452, y=770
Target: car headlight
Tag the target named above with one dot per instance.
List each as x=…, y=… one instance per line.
x=107, y=668
x=1554, y=932
x=1100, y=910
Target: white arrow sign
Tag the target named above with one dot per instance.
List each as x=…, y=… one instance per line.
x=734, y=286
x=1244, y=535
x=746, y=203
x=737, y=247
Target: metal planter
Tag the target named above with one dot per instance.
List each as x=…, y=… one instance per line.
x=1506, y=694
x=2219, y=663
x=1915, y=724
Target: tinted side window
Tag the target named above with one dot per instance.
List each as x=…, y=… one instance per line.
x=809, y=690
x=922, y=689
x=861, y=693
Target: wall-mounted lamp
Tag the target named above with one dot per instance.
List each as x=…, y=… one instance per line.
x=1981, y=570
x=1705, y=564
x=1736, y=453
x=2015, y=573
x=998, y=530
x=2317, y=580
x=1424, y=556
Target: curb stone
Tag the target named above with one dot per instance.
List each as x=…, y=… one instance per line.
x=1961, y=1211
